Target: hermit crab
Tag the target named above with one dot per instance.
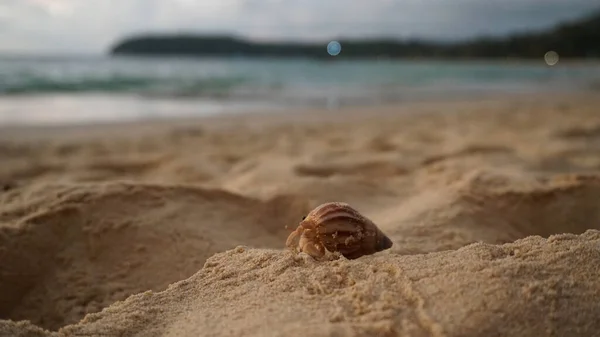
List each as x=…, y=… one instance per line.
x=337, y=227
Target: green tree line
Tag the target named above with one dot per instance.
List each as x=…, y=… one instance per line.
x=573, y=39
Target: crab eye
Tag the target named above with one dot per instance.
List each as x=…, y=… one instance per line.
x=304, y=217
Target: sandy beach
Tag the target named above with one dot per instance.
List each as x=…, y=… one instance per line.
x=177, y=228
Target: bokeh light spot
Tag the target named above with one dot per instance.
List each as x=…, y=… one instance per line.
x=334, y=48
x=551, y=58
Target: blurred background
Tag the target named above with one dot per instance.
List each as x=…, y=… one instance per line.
x=81, y=61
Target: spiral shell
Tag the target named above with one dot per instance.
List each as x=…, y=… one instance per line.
x=338, y=227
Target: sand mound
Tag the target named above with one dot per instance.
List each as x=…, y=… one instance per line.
x=60, y=259
x=539, y=286
x=492, y=206
x=77, y=249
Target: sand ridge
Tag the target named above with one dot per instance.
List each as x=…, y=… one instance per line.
x=179, y=230
x=480, y=289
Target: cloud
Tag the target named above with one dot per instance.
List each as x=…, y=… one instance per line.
x=93, y=25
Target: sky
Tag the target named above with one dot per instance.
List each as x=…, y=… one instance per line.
x=92, y=26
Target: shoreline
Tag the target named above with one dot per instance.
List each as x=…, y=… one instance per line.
x=281, y=115
x=570, y=62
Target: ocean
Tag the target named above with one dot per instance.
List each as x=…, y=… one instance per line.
x=51, y=90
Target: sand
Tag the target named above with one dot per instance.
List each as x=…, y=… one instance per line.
x=178, y=228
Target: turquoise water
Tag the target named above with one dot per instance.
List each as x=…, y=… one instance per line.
x=65, y=89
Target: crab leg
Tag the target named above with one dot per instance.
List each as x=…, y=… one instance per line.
x=293, y=237
x=311, y=248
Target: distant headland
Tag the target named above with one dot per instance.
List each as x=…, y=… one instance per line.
x=578, y=39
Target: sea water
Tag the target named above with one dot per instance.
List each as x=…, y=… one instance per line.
x=76, y=89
